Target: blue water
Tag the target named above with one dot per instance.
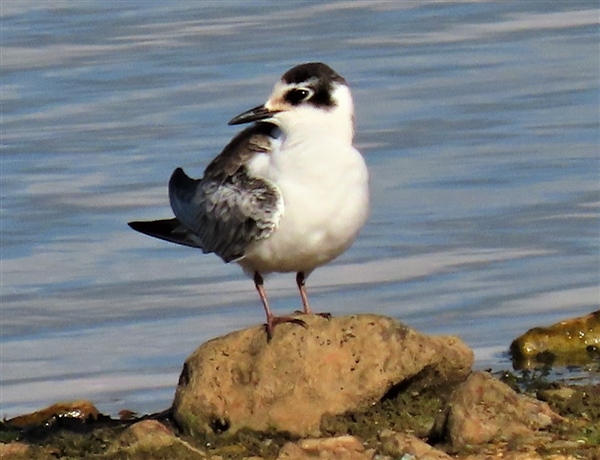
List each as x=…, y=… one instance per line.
x=479, y=123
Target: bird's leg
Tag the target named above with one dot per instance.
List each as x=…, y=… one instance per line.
x=301, y=282
x=272, y=320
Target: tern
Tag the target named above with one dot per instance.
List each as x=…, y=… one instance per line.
x=288, y=194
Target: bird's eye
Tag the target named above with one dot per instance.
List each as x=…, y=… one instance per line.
x=298, y=95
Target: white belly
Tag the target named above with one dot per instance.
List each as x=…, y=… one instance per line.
x=326, y=200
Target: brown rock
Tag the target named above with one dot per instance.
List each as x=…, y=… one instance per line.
x=76, y=410
x=152, y=436
x=400, y=444
x=150, y=433
x=483, y=409
x=14, y=451
x=518, y=456
x=288, y=384
x=340, y=448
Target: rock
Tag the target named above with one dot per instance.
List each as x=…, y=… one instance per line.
x=14, y=451
x=333, y=366
x=340, y=448
x=572, y=341
x=483, y=409
x=78, y=411
x=519, y=456
x=150, y=436
x=399, y=444
x=563, y=394
x=150, y=433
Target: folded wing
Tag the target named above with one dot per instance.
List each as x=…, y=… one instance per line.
x=228, y=208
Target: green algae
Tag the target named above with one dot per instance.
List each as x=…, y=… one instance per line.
x=421, y=412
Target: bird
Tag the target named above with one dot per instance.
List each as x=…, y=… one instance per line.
x=288, y=194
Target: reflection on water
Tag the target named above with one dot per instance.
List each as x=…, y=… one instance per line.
x=479, y=123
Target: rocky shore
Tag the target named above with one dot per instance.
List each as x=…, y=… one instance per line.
x=362, y=387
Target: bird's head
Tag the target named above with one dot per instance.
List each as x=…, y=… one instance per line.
x=308, y=97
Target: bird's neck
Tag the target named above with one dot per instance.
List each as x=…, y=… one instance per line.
x=313, y=127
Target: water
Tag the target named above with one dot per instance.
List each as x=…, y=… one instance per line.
x=479, y=123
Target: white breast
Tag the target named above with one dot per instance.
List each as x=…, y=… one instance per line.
x=324, y=183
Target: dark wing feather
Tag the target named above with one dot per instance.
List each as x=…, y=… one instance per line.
x=228, y=208
x=169, y=230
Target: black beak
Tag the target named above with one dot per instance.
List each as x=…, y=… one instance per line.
x=255, y=114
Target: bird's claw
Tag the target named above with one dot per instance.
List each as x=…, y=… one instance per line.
x=275, y=320
x=322, y=315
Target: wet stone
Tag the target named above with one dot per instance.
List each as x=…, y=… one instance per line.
x=572, y=342
x=65, y=412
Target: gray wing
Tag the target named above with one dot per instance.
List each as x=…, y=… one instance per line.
x=229, y=208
